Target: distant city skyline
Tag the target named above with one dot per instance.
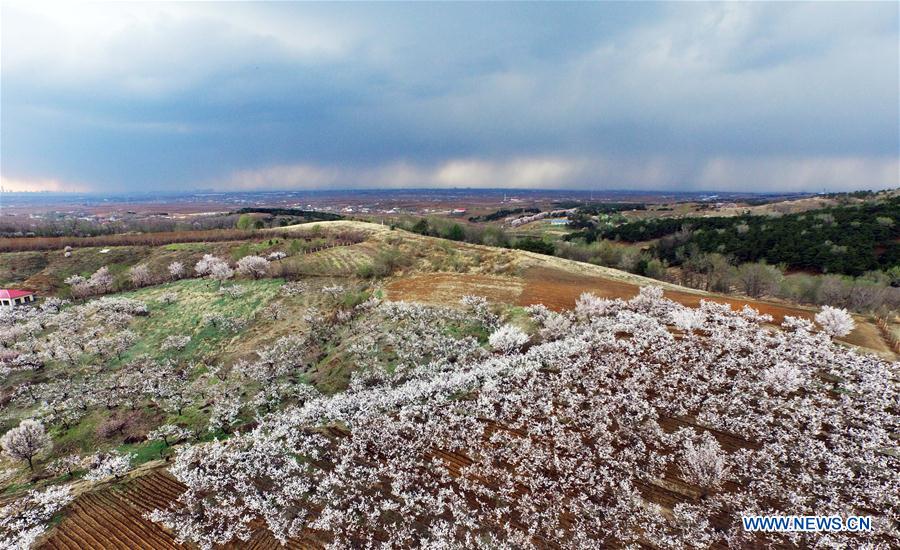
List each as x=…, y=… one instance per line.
x=744, y=97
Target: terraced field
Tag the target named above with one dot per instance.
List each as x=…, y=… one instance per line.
x=338, y=261
x=448, y=288
x=113, y=518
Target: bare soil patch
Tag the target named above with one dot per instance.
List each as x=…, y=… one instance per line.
x=448, y=288
x=558, y=289
x=113, y=518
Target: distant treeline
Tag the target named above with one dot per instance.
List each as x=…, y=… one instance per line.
x=486, y=235
x=610, y=207
x=64, y=225
x=844, y=239
x=582, y=217
x=503, y=213
x=310, y=215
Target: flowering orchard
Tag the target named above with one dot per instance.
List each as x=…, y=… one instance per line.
x=616, y=423
x=25, y=519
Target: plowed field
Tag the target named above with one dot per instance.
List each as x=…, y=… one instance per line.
x=113, y=518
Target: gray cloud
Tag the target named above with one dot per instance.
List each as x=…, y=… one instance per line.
x=725, y=96
x=790, y=173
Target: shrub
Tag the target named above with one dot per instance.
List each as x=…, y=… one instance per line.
x=835, y=322
x=534, y=245
x=365, y=271
x=507, y=339
x=253, y=266
x=758, y=279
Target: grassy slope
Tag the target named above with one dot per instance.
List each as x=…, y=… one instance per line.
x=184, y=316
x=195, y=299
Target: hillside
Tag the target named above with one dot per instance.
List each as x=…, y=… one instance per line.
x=445, y=271
x=219, y=369
x=435, y=270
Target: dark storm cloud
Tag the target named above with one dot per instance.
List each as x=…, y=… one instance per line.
x=728, y=96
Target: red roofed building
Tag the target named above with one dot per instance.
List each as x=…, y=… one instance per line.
x=16, y=297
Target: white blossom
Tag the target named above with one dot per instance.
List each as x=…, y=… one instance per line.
x=507, y=339
x=783, y=377
x=25, y=441
x=66, y=464
x=436, y=442
x=253, y=266
x=175, y=342
x=214, y=268
x=704, y=463
x=588, y=306
x=176, y=270
x=140, y=275
x=688, y=319
x=835, y=322
x=25, y=519
x=233, y=291
x=105, y=465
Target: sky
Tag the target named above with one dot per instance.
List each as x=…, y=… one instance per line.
x=120, y=97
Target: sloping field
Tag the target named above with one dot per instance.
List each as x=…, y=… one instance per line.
x=45, y=271
x=559, y=288
x=448, y=288
x=112, y=518
x=337, y=225
x=338, y=261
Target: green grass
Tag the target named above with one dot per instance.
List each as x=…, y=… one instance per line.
x=473, y=329
x=82, y=437
x=341, y=261
x=50, y=268
x=253, y=248
x=15, y=267
x=191, y=418
x=15, y=488
x=517, y=316
x=192, y=247
x=144, y=452
x=196, y=298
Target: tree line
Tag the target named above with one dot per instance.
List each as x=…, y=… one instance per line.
x=849, y=240
x=503, y=213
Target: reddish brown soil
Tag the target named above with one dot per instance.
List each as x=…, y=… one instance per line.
x=113, y=518
x=448, y=288
x=558, y=289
